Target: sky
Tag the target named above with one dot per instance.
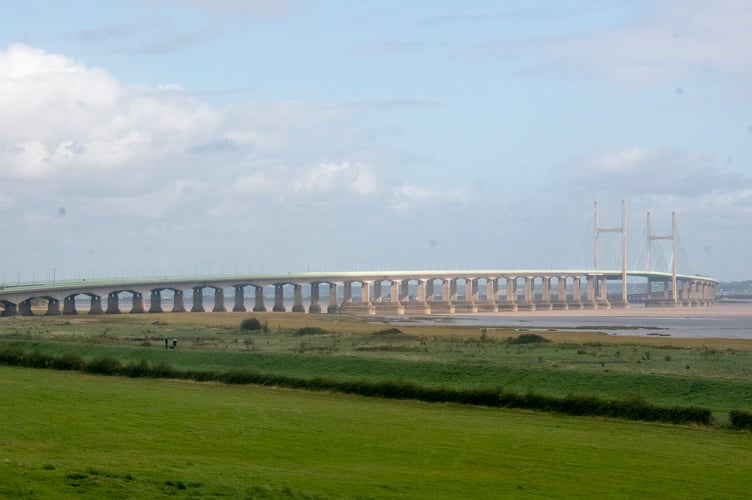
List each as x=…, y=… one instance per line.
x=177, y=137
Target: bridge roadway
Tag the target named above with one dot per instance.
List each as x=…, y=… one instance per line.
x=374, y=292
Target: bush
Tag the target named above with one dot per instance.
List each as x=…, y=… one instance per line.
x=163, y=370
x=68, y=361
x=250, y=325
x=741, y=420
x=310, y=330
x=387, y=332
x=10, y=355
x=103, y=366
x=136, y=369
x=37, y=360
x=528, y=338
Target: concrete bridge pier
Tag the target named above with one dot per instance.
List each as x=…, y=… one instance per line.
x=692, y=292
x=113, y=303
x=297, y=306
x=219, y=300
x=527, y=303
x=315, y=307
x=198, y=299
x=663, y=299
x=391, y=306
x=684, y=297
x=544, y=304
x=10, y=310
x=510, y=299
x=365, y=297
x=602, y=293
x=417, y=306
x=491, y=303
x=471, y=295
x=155, y=302
x=138, y=303
x=363, y=306
x=333, y=307
x=279, y=298
x=377, y=293
x=347, y=293
x=239, y=299
x=69, y=305
x=560, y=303
x=590, y=300
x=53, y=307
x=258, y=299
x=576, y=301
x=95, y=306
x=24, y=308
x=449, y=294
x=441, y=305
x=178, y=305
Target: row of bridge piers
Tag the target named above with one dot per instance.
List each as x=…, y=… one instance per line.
x=391, y=297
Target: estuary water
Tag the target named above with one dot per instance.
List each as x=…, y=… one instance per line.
x=732, y=321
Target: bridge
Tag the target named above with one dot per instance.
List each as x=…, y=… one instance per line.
x=378, y=292
x=382, y=292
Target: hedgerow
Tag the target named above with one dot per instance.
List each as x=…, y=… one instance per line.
x=740, y=420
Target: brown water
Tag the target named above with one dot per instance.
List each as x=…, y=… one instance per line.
x=733, y=321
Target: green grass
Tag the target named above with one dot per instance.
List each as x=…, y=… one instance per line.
x=671, y=372
x=75, y=435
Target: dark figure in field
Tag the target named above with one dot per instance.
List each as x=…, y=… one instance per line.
x=174, y=343
x=165, y=342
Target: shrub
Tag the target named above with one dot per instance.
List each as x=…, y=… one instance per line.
x=10, y=355
x=104, y=365
x=388, y=331
x=250, y=325
x=310, y=330
x=163, y=370
x=136, y=369
x=528, y=338
x=68, y=361
x=741, y=420
x=36, y=360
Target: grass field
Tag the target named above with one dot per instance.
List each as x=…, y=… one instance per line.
x=74, y=435
x=711, y=373
x=66, y=434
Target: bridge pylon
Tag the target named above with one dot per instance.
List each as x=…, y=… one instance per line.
x=623, y=231
x=672, y=237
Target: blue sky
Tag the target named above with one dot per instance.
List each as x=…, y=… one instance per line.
x=178, y=136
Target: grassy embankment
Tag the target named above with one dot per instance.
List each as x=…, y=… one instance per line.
x=69, y=434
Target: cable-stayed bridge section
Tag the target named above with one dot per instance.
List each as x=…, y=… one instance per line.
x=382, y=292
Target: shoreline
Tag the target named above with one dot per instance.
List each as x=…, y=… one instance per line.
x=636, y=311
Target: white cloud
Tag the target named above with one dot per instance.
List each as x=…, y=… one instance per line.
x=620, y=161
x=255, y=183
x=405, y=197
x=664, y=41
x=5, y=202
x=255, y=8
x=60, y=116
x=328, y=178
x=640, y=171
x=670, y=40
